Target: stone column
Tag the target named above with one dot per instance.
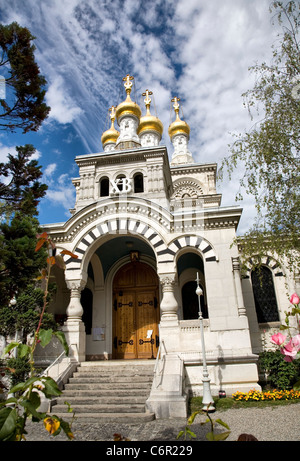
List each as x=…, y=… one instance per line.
x=74, y=309
x=74, y=327
x=238, y=286
x=168, y=305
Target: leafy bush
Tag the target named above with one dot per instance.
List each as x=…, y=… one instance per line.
x=20, y=369
x=280, y=374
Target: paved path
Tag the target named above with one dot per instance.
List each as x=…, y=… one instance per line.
x=278, y=423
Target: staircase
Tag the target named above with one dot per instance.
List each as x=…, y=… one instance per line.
x=114, y=390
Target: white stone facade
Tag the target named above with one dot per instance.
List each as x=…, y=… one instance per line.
x=131, y=200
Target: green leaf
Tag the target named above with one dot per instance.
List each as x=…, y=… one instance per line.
x=210, y=436
x=222, y=436
x=219, y=421
x=70, y=409
x=10, y=347
x=8, y=401
x=24, y=385
x=180, y=434
x=45, y=336
x=193, y=416
x=8, y=423
x=51, y=388
x=18, y=387
x=23, y=350
x=32, y=404
x=190, y=433
x=66, y=428
x=61, y=336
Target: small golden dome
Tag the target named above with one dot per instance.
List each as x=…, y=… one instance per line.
x=149, y=122
x=128, y=107
x=111, y=135
x=178, y=126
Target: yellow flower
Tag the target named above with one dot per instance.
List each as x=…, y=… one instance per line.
x=51, y=424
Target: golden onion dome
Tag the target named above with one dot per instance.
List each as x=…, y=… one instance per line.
x=128, y=107
x=178, y=126
x=149, y=122
x=111, y=135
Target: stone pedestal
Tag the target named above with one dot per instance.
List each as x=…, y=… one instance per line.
x=74, y=331
x=74, y=328
x=167, y=398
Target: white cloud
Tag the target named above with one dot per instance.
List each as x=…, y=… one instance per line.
x=61, y=191
x=63, y=108
x=5, y=150
x=50, y=169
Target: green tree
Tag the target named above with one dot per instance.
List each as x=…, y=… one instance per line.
x=24, y=314
x=23, y=106
x=269, y=152
x=19, y=263
x=20, y=188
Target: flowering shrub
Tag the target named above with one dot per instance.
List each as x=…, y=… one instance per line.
x=275, y=394
x=291, y=348
x=278, y=373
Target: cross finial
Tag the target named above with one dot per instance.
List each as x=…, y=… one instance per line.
x=147, y=100
x=112, y=110
x=128, y=83
x=176, y=105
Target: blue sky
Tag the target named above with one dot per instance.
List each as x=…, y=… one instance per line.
x=197, y=50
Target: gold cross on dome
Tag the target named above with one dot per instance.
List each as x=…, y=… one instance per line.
x=175, y=105
x=112, y=113
x=128, y=83
x=147, y=99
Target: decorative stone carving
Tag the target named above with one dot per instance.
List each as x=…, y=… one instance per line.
x=74, y=309
x=168, y=305
x=187, y=188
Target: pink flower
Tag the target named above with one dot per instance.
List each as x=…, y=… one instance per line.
x=294, y=299
x=278, y=339
x=291, y=349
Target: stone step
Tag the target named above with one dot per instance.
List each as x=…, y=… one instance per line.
x=101, y=408
x=109, y=400
x=108, y=391
x=119, y=363
x=106, y=373
x=111, y=379
x=111, y=385
x=109, y=417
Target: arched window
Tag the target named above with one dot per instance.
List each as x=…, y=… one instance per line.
x=104, y=187
x=264, y=295
x=138, y=183
x=190, y=303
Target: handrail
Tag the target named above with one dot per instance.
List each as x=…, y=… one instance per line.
x=158, y=353
x=45, y=372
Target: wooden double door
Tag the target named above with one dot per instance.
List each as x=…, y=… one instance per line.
x=135, y=312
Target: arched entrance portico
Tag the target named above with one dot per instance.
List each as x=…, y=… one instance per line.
x=135, y=312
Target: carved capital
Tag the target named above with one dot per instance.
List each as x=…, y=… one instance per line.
x=167, y=282
x=76, y=285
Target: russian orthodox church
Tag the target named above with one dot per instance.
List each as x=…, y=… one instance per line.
x=145, y=226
